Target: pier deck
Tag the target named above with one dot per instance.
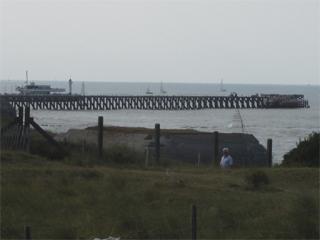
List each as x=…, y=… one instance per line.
x=78, y=102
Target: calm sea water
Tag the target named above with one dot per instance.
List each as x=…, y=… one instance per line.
x=284, y=126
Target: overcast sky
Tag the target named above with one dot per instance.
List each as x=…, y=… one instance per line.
x=274, y=42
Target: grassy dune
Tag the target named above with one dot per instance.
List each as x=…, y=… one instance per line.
x=64, y=201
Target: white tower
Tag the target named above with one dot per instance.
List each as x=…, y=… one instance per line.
x=70, y=86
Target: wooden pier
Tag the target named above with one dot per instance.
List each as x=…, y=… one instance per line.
x=78, y=102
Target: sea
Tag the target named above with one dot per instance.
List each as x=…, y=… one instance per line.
x=286, y=127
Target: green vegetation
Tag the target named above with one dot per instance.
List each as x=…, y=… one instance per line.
x=256, y=180
x=81, y=196
x=306, y=154
x=86, y=197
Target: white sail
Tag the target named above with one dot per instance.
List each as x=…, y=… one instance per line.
x=161, y=89
x=148, y=90
x=221, y=86
x=82, y=89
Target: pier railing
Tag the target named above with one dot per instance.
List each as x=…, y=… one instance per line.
x=78, y=102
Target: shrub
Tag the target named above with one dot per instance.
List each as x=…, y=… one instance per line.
x=122, y=154
x=306, y=154
x=256, y=180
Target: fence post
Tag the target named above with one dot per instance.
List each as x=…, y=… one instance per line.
x=269, y=153
x=27, y=129
x=84, y=148
x=157, y=142
x=27, y=117
x=27, y=232
x=215, y=147
x=147, y=156
x=20, y=118
x=199, y=159
x=193, y=222
x=100, y=136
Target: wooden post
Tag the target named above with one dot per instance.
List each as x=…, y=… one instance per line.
x=27, y=232
x=157, y=142
x=199, y=159
x=84, y=148
x=27, y=117
x=46, y=135
x=215, y=147
x=27, y=128
x=100, y=137
x=193, y=222
x=269, y=153
x=20, y=118
x=147, y=156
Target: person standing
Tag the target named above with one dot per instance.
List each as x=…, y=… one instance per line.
x=226, y=160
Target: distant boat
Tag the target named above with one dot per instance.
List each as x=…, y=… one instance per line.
x=237, y=125
x=221, y=86
x=161, y=89
x=82, y=89
x=33, y=89
x=148, y=91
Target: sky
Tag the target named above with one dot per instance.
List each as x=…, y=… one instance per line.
x=243, y=42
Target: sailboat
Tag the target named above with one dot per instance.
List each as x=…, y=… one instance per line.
x=161, y=89
x=148, y=91
x=221, y=86
x=237, y=125
x=82, y=89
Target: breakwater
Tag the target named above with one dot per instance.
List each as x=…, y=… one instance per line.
x=78, y=102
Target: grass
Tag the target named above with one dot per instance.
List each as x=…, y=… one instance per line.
x=67, y=199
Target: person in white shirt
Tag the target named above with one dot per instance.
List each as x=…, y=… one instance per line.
x=226, y=160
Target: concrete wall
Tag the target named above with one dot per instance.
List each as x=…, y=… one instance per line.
x=186, y=147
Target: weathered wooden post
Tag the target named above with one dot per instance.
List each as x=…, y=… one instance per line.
x=27, y=117
x=147, y=156
x=19, y=120
x=199, y=159
x=100, y=137
x=269, y=153
x=157, y=142
x=84, y=148
x=27, y=232
x=27, y=127
x=193, y=222
x=215, y=147
x=20, y=117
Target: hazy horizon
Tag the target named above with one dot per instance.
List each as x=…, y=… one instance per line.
x=23, y=82
x=243, y=42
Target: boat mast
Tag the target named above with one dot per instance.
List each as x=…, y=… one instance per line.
x=244, y=128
